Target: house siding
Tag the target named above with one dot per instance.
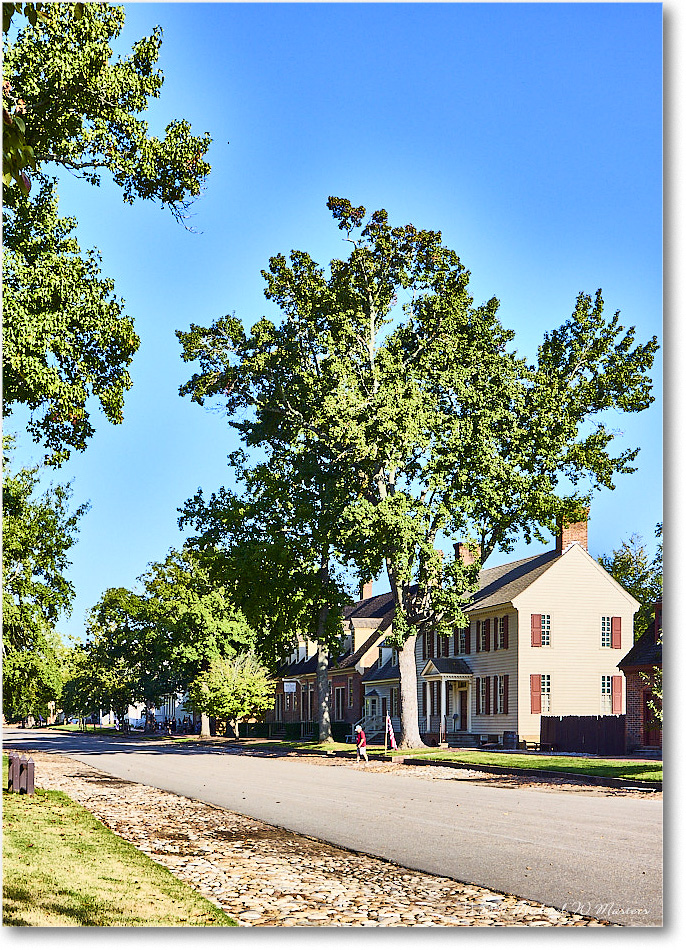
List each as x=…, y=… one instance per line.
x=576, y=593
x=491, y=663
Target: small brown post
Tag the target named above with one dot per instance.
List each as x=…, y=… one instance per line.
x=26, y=777
x=14, y=772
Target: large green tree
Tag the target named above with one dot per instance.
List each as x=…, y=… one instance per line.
x=69, y=103
x=277, y=546
x=385, y=365
x=38, y=533
x=632, y=566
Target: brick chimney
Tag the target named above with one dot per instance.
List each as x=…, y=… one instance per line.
x=366, y=590
x=568, y=533
x=462, y=553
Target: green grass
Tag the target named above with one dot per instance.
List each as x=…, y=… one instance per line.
x=64, y=868
x=613, y=768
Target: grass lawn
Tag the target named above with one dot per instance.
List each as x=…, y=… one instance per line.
x=650, y=771
x=64, y=868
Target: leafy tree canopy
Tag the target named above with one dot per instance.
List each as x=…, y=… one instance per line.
x=69, y=103
x=385, y=366
x=38, y=533
x=232, y=688
x=631, y=566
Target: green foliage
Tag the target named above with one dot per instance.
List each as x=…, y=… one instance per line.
x=387, y=371
x=81, y=107
x=69, y=103
x=631, y=566
x=38, y=533
x=65, y=336
x=232, y=688
x=145, y=644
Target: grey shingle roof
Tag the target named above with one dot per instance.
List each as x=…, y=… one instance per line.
x=499, y=585
x=389, y=671
x=450, y=664
x=369, y=609
x=645, y=652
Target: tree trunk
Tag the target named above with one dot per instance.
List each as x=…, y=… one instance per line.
x=323, y=694
x=409, y=709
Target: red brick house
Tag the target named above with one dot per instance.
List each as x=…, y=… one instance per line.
x=639, y=667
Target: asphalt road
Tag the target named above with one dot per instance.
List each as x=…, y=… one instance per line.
x=598, y=856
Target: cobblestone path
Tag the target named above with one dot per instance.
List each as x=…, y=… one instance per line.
x=266, y=876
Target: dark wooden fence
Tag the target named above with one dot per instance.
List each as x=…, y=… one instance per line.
x=594, y=735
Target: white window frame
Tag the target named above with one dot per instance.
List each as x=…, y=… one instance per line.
x=501, y=633
x=483, y=688
x=545, y=693
x=605, y=631
x=606, y=695
x=462, y=642
x=546, y=629
x=350, y=693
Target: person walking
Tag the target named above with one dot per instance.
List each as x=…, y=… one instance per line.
x=361, y=740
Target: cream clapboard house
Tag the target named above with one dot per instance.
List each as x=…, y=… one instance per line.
x=545, y=636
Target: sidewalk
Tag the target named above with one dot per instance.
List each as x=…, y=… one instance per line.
x=266, y=876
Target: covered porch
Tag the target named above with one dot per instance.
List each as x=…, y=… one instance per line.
x=449, y=683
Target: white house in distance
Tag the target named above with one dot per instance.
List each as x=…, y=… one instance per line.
x=545, y=635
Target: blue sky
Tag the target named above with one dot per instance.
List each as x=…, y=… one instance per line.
x=529, y=134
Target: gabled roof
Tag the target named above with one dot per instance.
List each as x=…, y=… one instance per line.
x=500, y=585
x=298, y=668
x=370, y=609
x=389, y=671
x=447, y=664
x=644, y=653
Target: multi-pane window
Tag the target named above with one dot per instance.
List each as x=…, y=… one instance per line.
x=501, y=634
x=606, y=694
x=606, y=632
x=350, y=692
x=462, y=641
x=394, y=657
x=395, y=701
x=499, y=693
x=483, y=686
x=545, y=630
x=545, y=692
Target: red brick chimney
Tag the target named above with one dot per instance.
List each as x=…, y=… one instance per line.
x=366, y=590
x=568, y=533
x=462, y=553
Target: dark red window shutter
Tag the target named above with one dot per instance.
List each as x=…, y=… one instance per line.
x=616, y=693
x=478, y=636
x=495, y=633
x=488, y=695
x=616, y=633
x=478, y=695
x=506, y=637
x=506, y=684
x=495, y=694
x=487, y=637
x=536, y=692
x=468, y=639
x=423, y=699
x=536, y=630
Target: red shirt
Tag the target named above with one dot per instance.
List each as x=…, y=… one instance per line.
x=361, y=739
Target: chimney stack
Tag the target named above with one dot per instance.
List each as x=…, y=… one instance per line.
x=366, y=590
x=462, y=553
x=574, y=531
